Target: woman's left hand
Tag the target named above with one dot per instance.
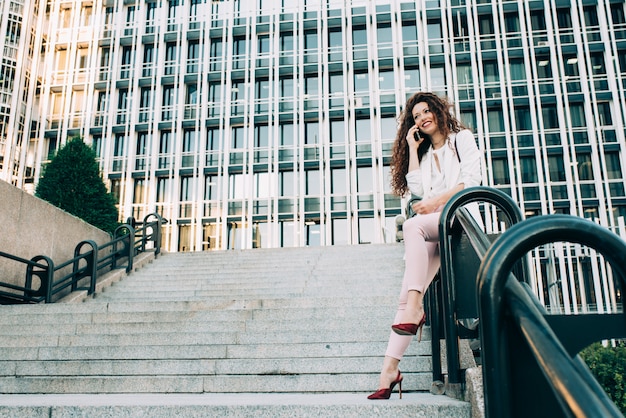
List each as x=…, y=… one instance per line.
x=424, y=207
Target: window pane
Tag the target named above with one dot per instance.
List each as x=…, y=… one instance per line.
x=492, y=73
x=496, y=120
x=366, y=230
x=361, y=82
x=578, y=115
x=336, y=84
x=264, y=44
x=363, y=130
x=340, y=232
x=585, y=170
x=386, y=80
x=312, y=133
x=557, y=169
x=522, y=118
x=604, y=113
x=286, y=87
x=518, y=71
x=338, y=177
x=501, y=171
x=286, y=42
x=313, y=185
x=261, y=184
x=310, y=85
x=550, y=117
x=359, y=36
x=210, y=187
x=286, y=134
x=365, y=180
x=528, y=168
x=383, y=33
x=412, y=79
x=337, y=132
x=261, y=136
x=335, y=38
x=286, y=183
x=388, y=127
x=409, y=32
x=613, y=166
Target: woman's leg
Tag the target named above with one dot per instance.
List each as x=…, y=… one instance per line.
x=421, y=258
x=421, y=236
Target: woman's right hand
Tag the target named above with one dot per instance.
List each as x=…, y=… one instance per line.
x=410, y=137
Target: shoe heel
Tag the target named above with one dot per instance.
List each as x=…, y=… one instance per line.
x=421, y=327
x=400, y=388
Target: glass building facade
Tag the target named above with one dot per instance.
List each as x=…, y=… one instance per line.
x=269, y=123
x=19, y=50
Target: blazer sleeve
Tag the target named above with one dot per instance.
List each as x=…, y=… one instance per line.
x=415, y=182
x=471, y=159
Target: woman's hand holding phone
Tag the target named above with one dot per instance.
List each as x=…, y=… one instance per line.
x=413, y=138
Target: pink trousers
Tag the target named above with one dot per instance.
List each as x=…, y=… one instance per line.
x=421, y=258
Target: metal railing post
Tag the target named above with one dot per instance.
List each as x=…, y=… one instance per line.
x=155, y=235
x=91, y=269
x=127, y=239
x=45, y=275
x=469, y=195
x=495, y=282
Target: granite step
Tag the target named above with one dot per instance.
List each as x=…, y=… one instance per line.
x=268, y=332
x=230, y=405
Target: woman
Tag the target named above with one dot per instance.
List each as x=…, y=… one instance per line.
x=434, y=157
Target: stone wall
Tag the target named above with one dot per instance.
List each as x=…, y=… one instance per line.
x=31, y=227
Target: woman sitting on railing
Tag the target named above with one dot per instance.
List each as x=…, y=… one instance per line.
x=434, y=157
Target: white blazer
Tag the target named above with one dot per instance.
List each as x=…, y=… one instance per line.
x=468, y=171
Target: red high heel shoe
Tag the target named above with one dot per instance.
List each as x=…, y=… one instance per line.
x=410, y=329
x=386, y=393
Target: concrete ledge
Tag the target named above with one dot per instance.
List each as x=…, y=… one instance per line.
x=467, y=361
x=32, y=226
x=474, y=391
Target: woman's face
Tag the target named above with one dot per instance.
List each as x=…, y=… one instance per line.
x=424, y=119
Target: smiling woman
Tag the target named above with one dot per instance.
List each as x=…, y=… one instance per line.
x=434, y=157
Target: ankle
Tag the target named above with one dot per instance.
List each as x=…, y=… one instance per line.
x=412, y=316
x=415, y=300
x=390, y=367
x=391, y=372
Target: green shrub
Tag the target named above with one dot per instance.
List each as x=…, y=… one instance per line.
x=72, y=182
x=608, y=365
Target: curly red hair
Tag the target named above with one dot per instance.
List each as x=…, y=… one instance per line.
x=447, y=123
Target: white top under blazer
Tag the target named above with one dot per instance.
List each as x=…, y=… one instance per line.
x=468, y=171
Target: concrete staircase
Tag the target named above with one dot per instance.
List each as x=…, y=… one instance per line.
x=267, y=332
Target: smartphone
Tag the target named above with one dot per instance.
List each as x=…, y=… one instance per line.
x=416, y=135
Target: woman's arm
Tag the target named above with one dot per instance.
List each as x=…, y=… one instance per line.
x=434, y=203
x=414, y=174
x=415, y=183
x=470, y=174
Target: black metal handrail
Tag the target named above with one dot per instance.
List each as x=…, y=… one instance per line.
x=455, y=220
x=34, y=267
x=526, y=367
x=90, y=261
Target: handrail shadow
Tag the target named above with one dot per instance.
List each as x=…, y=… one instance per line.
x=528, y=370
